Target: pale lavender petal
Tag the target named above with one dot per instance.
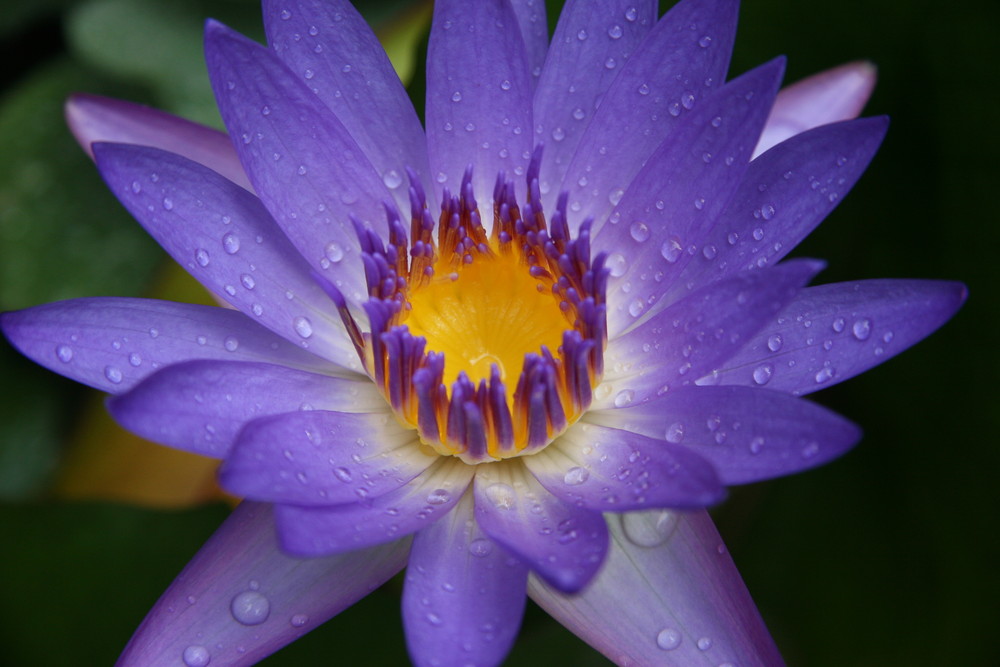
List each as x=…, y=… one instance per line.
x=563, y=543
x=478, y=96
x=330, y=46
x=200, y=406
x=613, y=470
x=92, y=118
x=535, y=33
x=111, y=343
x=464, y=595
x=668, y=595
x=591, y=44
x=830, y=96
x=647, y=100
x=786, y=193
x=304, y=165
x=830, y=333
x=323, y=458
x=674, y=201
x=241, y=598
x=228, y=241
x=747, y=434
x=324, y=530
x=692, y=337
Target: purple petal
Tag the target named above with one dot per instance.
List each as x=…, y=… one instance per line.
x=92, y=118
x=686, y=184
x=834, y=95
x=535, y=33
x=563, y=543
x=200, y=406
x=747, y=434
x=241, y=599
x=323, y=458
x=309, y=172
x=227, y=240
x=692, y=337
x=330, y=46
x=610, y=469
x=312, y=531
x=112, y=343
x=592, y=42
x=478, y=95
x=830, y=333
x=464, y=596
x=668, y=595
x=648, y=100
x=786, y=193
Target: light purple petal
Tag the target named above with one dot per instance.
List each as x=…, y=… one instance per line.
x=324, y=530
x=613, y=470
x=674, y=201
x=668, y=595
x=111, y=343
x=830, y=333
x=535, y=33
x=304, y=165
x=478, y=96
x=563, y=543
x=464, y=595
x=228, y=241
x=786, y=193
x=241, y=599
x=747, y=434
x=692, y=337
x=330, y=46
x=588, y=38
x=834, y=95
x=323, y=458
x=93, y=118
x=200, y=406
x=647, y=101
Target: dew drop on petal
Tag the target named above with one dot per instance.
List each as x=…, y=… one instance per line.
x=196, y=656
x=201, y=256
x=298, y=620
x=231, y=343
x=65, y=353
x=704, y=644
x=762, y=374
x=480, y=547
x=639, y=231
x=649, y=529
x=862, y=329
x=438, y=497
x=615, y=31
x=624, y=397
x=333, y=252
x=675, y=433
x=671, y=249
x=576, y=476
x=668, y=639
x=303, y=326
x=774, y=342
x=501, y=495
x=250, y=608
x=113, y=374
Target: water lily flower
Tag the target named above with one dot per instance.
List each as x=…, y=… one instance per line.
x=518, y=351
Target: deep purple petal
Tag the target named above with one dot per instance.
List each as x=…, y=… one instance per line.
x=830, y=333
x=592, y=42
x=93, y=118
x=200, y=406
x=111, y=343
x=834, y=95
x=647, y=101
x=535, y=33
x=304, y=165
x=786, y=193
x=324, y=530
x=228, y=241
x=478, y=95
x=563, y=543
x=241, y=599
x=330, y=46
x=323, y=458
x=747, y=434
x=464, y=595
x=692, y=337
x=614, y=470
x=668, y=595
x=686, y=184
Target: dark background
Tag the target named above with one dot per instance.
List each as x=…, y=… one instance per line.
x=888, y=556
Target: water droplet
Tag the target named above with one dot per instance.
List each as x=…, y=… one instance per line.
x=668, y=639
x=649, y=529
x=639, y=231
x=631, y=14
x=231, y=243
x=576, y=476
x=113, y=374
x=610, y=63
x=579, y=113
x=704, y=644
x=480, y=547
x=196, y=656
x=438, y=497
x=774, y=342
x=624, y=397
x=135, y=359
x=862, y=329
x=343, y=474
x=671, y=249
x=558, y=134
x=231, y=343
x=616, y=265
x=201, y=256
x=65, y=353
x=675, y=433
x=250, y=608
x=810, y=450
x=303, y=326
x=298, y=620
x=824, y=375
x=501, y=495
x=247, y=281
x=756, y=445
x=168, y=203
x=333, y=252
x=762, y=374
x=709, y=252
x=839, y=324
x=767, y=211
x=644, y=89
x=687, y=100
x=505, y=85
